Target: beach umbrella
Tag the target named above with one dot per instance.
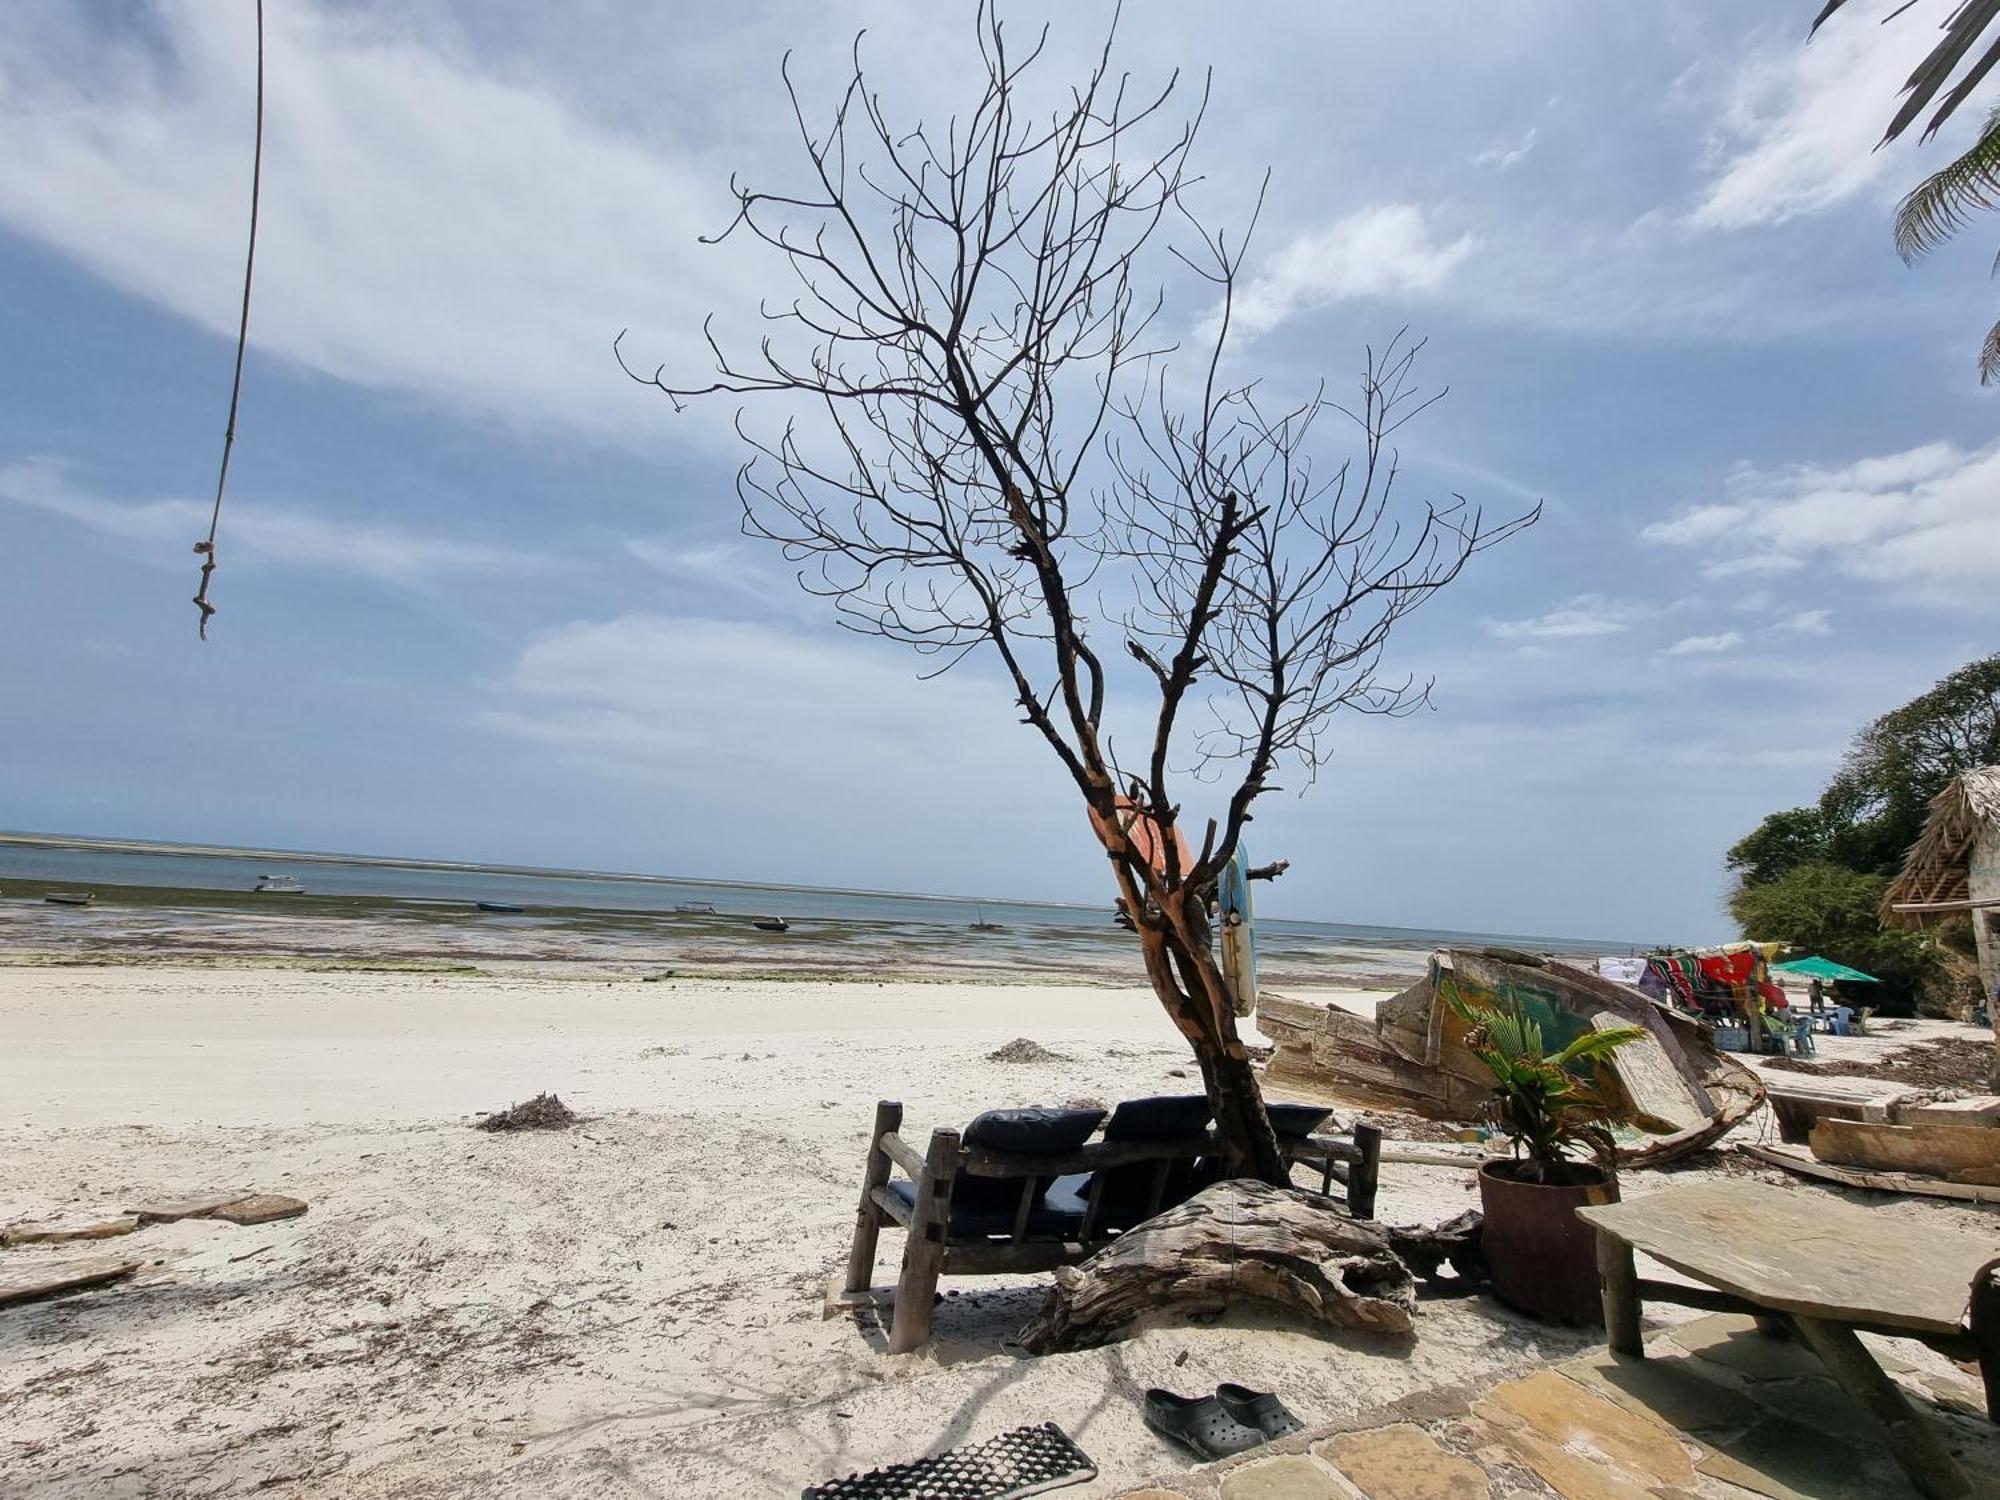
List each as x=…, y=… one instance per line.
x=1823, y=968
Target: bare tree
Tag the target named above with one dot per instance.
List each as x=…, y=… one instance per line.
x=990, y=448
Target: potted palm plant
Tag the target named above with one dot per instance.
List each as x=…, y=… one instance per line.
x=1541, y=1258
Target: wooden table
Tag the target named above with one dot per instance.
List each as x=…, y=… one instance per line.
x=1811, y=1263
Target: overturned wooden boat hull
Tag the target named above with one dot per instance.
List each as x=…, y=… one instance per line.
x=1673, y=1084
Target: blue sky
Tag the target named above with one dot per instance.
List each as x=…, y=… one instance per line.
x=483, y=598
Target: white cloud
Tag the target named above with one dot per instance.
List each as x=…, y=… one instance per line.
x=731, y=566
x=1924, y=523
x=1749, y=565
x=1501, y=157
x=1701, y=523
x=1705, y=645
x=282, y=534
x=1801, y=121
x=810, y=718
x=424, y=228
x=1386, y=250
x=1584, y=616
x=1808, y=622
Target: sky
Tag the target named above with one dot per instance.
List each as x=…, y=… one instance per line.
x=483, y=597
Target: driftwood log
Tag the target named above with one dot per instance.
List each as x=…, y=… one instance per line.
x=1427, y=1249
x=1241, y=1243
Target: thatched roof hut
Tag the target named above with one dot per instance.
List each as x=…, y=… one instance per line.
x=1955, y=867
x=1937, y=872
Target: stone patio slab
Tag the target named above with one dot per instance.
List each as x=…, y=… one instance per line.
x=1677, y=1391
x=1789, y=1460
x=1291, y=1477
x=1582, y=1422
x=1403, y=1463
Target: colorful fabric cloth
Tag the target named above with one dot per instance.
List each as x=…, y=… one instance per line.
x=1731, y=969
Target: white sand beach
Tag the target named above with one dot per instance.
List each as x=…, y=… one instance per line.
x=629, y=1307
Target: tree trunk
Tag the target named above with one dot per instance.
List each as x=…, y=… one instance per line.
x=1182, y=967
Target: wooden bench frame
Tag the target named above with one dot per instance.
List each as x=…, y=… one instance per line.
x=930, y=1252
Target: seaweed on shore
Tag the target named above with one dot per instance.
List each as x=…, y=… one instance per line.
x=1023, y=1050
x=543, y=1112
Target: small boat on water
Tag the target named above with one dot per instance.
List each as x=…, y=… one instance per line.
x=71, y=898
x=505, y=907
x=278, y=885
x=771, y=924
x=980, y=924
x=695, y=908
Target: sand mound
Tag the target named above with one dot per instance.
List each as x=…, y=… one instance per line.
x=543, y=1112
x=1021, y=1050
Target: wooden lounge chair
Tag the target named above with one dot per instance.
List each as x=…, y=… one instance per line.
x=972, y=1207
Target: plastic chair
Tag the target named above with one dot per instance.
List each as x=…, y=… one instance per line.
x=1802, y=1037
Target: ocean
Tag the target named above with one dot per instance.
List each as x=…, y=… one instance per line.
x=611, y=902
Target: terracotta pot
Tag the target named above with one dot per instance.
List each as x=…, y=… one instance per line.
x=1542, y=1259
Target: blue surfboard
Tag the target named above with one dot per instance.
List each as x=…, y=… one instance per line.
x=1239, y=932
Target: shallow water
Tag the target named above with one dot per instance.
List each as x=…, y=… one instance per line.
x=201, y=900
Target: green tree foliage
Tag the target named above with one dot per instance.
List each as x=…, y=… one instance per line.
x=1833, y=911
x=1875, y=806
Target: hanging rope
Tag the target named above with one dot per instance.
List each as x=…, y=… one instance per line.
x=206, y=550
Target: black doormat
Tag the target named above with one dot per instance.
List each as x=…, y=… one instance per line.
x=1026, y=1461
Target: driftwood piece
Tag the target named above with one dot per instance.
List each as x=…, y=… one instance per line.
x=1427, y=1248
x=260, y=1208
x=1237, y=1244
x=1957, y=1153
x=1798, y=1159
x=36, y=1278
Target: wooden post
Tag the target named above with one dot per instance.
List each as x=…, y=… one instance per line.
x=1918, y=1446
x=1984, y=1319
x=868, y=1218
x=1618, y=1281
x=923, y=1246
x=1365, y=1174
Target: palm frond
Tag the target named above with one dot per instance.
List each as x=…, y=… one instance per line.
x=1989, y=356
x=1944, y=202
x=1963, y=27
x=1595, y=1044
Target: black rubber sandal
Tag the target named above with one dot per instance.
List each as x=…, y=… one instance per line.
x=1199, y=1424
x=1258, y=1409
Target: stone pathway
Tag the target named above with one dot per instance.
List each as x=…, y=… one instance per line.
x=1718, y=1411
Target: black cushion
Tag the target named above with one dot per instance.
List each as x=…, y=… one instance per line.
x=1036, y=1130
x=1163, y=1117
x=1048, y=1219
x=1295, y=1121
x=1127, y=1196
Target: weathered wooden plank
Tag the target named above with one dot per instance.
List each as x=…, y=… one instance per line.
x=260, y=1208
x=59, y=1231
x=1961, y=1153
x=923, y=1245
x=1798, y=1159
x=186, y=1206
x=1981, y=1109
x=903, y=1154
x=1659, y=1097
x=890, y=1204
x=867, y=1216
x=38, y=1277
x=1802, y=1253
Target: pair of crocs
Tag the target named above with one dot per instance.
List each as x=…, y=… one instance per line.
x=1231, y=1421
